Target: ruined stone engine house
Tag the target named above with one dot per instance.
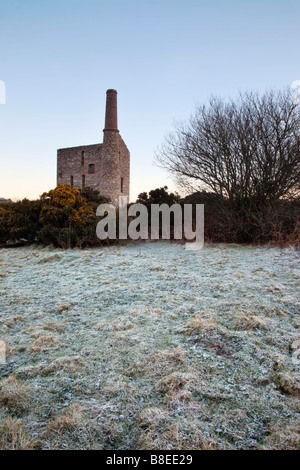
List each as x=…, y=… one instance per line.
x=104, y=167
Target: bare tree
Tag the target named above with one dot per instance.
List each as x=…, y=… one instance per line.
x=244, y=149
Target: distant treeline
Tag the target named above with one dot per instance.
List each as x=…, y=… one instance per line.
x=247, y=220
x=65, y=217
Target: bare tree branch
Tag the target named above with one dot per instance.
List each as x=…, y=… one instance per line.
x=244, y=149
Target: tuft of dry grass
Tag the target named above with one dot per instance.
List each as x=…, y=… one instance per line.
x=152, y=416
x=117, y=386
x=183, y=435
x=70, y=420
x=62, y=308
x=44, y=343
x=172, y=356
x=114, y=325
x=289, y=383
x=205, y=321
x=14, y=321
x=14, y=437
x=163, y=362
x=72, y=430
x=174, y=383
x=252, y=322
x=283, y=438
x=14, y=395
x=55, y=257
x=54, y=326
x=66, y=364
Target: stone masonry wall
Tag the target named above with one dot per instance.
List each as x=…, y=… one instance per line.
x=111, y=162
x=69, y=164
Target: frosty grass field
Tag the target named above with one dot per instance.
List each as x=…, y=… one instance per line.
x=149, y=346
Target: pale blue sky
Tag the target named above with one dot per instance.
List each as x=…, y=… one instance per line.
x=59, y=57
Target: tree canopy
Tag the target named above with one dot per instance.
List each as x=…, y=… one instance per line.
x=243, y=149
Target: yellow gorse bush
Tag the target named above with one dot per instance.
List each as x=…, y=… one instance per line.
x=64, y=195
x=64, y=217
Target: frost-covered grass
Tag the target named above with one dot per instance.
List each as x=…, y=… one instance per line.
x=149, y=346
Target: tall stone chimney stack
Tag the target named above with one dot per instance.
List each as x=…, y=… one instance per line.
x=111, y=114
x=104, y=167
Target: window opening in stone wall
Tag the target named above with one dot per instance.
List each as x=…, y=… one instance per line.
x=82, y=157
x=91, y=168
x=71, y=181
x=121, y=185
x=83, y=181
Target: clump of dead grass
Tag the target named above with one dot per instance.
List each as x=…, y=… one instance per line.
x=14, y=395
x=114, y=325
x=289, y=383
x=118, y=386
x=68, y=364
x=283, y=438
x=165, y=361
x=174, y=356
x=175, y=382
x=44, y=343
x=54, y=326
x=205, y=321
x=14, y=437
x=251, y=322
x=174, y=435
x=55, y=257
x=70, y=420
x=72, y=429
x=62, y=308
x=14, y=321
x=153, y=311
x=148, y=417
x=278, y=361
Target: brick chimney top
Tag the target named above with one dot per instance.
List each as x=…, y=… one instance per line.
x=111, y=114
